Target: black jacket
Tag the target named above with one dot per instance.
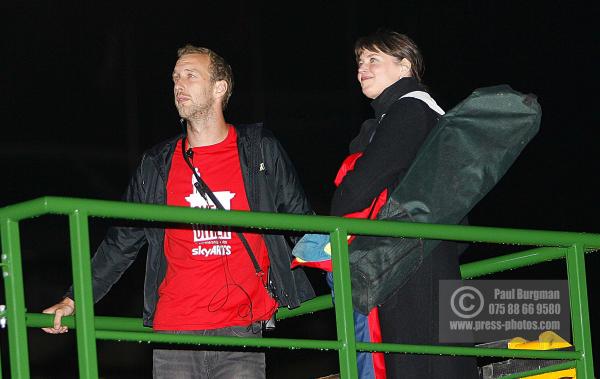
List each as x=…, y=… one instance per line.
x=389, y=143
x=271, y=186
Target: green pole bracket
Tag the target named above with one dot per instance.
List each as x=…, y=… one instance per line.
x=343, y=309
x=552, y=245
x=84, y=300
x=580, y=317
x=15, y=298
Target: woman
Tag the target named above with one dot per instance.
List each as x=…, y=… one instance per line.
x=390, y=67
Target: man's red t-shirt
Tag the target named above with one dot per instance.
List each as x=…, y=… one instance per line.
x=210, y=281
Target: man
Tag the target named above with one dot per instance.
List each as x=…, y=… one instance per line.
x=207, y=280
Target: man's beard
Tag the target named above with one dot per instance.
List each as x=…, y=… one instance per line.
x=198, y=111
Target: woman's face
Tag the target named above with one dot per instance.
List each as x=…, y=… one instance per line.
x=377, y=71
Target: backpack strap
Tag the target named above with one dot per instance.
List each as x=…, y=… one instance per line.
x=426, y=98
x=419, y=95
x=256, y=161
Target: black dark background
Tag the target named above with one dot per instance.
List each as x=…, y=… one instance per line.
x=86, y=88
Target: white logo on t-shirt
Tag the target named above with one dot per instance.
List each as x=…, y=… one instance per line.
x=204, y=233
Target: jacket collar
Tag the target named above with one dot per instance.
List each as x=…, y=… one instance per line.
x=162, y=153
x=382, y=103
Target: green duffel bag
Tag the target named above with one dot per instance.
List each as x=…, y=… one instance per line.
x=465, y=155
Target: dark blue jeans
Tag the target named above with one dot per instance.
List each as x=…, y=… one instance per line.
x=188, y=364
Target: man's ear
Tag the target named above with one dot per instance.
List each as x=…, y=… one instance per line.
x=220, y=88
x=406, y=66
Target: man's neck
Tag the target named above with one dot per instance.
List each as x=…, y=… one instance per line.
x=207, y=131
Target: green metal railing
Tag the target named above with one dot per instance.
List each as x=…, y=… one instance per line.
x=552, y=245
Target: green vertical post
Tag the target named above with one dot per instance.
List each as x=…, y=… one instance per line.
x=15, y=299
x=84, y=301
x=580, y=316
x=343, y=304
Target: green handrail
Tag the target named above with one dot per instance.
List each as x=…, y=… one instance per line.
x=551, y=245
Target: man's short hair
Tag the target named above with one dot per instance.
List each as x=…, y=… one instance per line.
x=219, y=68
x=395, y=44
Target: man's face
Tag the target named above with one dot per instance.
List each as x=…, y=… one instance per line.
x=192, y=86
x=377, y=71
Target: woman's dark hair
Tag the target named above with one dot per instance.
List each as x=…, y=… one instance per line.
x=395, y=44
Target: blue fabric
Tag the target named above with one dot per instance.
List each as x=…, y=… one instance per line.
x=311, y=248
x=364, y=361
